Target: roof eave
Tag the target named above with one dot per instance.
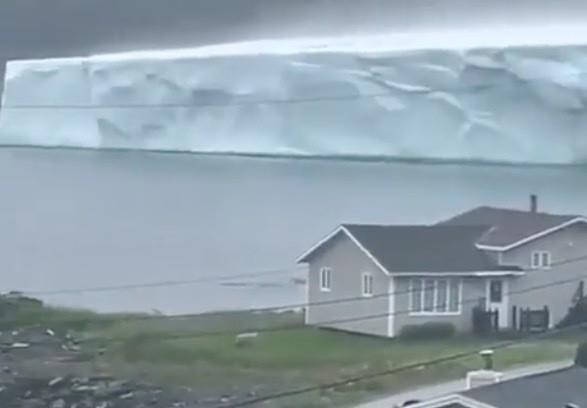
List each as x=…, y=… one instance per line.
x=343, y=229
x=466, y=274
x=504, y=248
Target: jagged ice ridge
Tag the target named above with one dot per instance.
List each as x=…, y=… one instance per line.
x=369, y=97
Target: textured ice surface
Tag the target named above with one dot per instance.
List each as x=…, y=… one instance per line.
x=363, y=97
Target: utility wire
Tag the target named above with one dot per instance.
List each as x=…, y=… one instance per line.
x=291, y=306
x=388, y=93
x=340, y=98
x=401, y=369
x=205, y=279
x=221, y=333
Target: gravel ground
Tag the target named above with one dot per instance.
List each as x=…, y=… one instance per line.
x=39, y=368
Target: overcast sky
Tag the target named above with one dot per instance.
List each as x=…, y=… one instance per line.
x=31, y=28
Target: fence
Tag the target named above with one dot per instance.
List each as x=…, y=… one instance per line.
x=485, y=321
x=530, y=320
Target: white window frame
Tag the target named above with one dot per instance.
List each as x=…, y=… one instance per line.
x=367, y=284
x=325, y=279
x=449, y=294
x=540, y=255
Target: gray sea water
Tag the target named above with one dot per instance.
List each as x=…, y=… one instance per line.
x=73, y=219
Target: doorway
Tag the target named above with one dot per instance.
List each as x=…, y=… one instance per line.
x=497, y=299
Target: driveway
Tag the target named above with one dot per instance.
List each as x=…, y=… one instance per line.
x=433, y=391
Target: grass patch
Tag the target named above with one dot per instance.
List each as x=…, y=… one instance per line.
x=278, y=360
x=305, y=356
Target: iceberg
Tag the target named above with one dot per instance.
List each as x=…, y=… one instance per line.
x=446, y=96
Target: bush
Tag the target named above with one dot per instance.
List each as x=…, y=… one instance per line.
x=576, y=315
x=482, y=325
x=581, y=356
x=428, y=331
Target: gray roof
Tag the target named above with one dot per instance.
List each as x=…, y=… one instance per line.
x=547, y=390
x=417, y=248
x=508, y=226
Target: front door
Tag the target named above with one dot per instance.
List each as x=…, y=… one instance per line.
x=497, y=299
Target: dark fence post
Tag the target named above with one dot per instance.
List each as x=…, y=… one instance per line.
x=514, y=318
x=546, y=317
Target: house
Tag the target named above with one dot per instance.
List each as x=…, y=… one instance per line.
x=378, y=279
x=562, y=388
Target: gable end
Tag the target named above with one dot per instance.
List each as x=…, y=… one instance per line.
x=305, y=257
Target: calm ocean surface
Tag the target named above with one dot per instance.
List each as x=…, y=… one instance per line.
x=77, y=219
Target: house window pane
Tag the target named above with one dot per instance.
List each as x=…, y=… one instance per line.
x=325, y=279
x=535, y=259
x=416, y=295
x=545, y=261
x=495, y=291
x=428, y=295
x=367, y=284
x=455, y=296
x=441, y=296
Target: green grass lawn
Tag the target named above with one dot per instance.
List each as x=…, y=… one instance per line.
x=302, y=356
x=277, y=360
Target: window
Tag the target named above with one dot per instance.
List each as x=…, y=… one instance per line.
x=416, y=295
x=540, y=260
x=454, y=297
x=325, y=279
x=435, y=296
x=441, y=296
x=429, y=295
x=367, y=284
x=495, y=291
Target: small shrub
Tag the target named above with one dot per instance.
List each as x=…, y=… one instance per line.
x=482, y=325
x=428, y=331
x=581, y=356
x=576, y=315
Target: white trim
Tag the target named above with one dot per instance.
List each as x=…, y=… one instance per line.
x=497, y=274
x=423, y=312
x=451, y=399
x=319, y=244
x=307, y=306
x=363, y=286
x=533, y=237
x=391, y=316
x=458, y=274
x=504, y=305
x=352, y=238
x=325, y=284
x=540, y=254
x=435, y=314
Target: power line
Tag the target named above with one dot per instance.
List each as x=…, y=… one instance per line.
x=220, y=333
x=376, y=374
x=251, y=102
x=406, y=367
x=291, y=306
x=205, y=279
x=339, y=98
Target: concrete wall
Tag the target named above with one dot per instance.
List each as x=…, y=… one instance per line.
x=563, y=245
x=473, y=290
x=348, y=263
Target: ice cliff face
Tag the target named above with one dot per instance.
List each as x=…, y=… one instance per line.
x=374, y=99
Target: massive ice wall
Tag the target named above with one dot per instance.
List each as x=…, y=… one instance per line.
x=513, y=104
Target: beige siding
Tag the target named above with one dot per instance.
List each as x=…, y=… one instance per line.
x=563, y=245
x=348, y=263
x=473, y=290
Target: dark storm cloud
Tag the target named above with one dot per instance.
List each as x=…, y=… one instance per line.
x=31, y=28
x=52, y=28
